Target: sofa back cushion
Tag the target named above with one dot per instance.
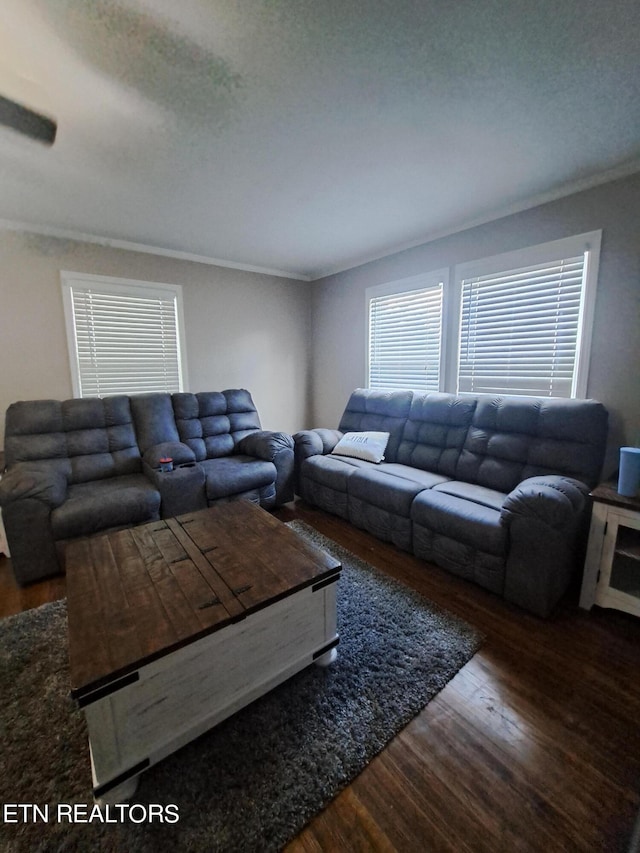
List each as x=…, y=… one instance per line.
x=154, y=420
x=379, y=411
x=89, y=439
x=512, y=438
x=435, y=432
x=213, y=422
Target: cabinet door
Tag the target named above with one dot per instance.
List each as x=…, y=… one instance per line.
x=619, y=583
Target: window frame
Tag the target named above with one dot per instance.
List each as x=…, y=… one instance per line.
x=541, y=253
x=424, y=281
x=452, y=279
x=133, y=287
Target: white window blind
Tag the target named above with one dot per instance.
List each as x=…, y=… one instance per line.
x=405, y=338
x=520, y=328
x=124, y=338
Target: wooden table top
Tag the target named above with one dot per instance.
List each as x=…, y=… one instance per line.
x=138, y=594
x=608, y=494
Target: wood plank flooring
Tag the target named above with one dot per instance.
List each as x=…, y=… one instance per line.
x=533, y=746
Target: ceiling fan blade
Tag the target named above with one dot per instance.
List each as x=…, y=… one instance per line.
x=26, y=121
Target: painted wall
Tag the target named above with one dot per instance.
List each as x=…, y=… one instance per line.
x=253, y=331
x=242, y=329
x=339, y=315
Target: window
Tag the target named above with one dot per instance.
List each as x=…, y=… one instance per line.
x=125, y=337
x=517, y=323
x=525, y=329
x=405, y=333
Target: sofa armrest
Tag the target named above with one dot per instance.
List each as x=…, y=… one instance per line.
x=306, y=443
x=264, y=444
x=181, y=490
x=275, y=447
x=312, y=442
x=28, y=480
x=29, y=492
x=176, y=450
x=545, y=517
x=34, y=555
x=315, y=442
x=553, y=500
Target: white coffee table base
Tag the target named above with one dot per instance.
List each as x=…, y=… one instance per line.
x=138, y=720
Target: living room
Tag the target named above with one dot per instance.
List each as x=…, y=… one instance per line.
x=276, y=302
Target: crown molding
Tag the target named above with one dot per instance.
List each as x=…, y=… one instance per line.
x=127, y=245
x=566, y=189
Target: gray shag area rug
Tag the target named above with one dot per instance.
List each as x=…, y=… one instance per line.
x=252, y=783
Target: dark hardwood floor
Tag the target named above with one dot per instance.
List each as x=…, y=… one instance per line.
x=533, y=746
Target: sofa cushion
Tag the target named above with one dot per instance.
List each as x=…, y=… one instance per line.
x=477, y=494
x=462, y=520
x=424, y=479
x=232, y=475
x=377, y=487
x=435, y=432
x=380, y=411
x=213, y=422
x=113, y=502
x=96, y=436
x=154, y=420
x=512, y=439
x=332, y=471
x=31, y=418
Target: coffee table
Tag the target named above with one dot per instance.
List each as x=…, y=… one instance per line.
x=176, y=624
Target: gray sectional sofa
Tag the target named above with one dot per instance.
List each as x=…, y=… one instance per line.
x=494, y=489
x=75, y=467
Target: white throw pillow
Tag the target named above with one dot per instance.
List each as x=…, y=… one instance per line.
x=369, y=446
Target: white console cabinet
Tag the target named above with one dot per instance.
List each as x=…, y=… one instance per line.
x=612, y=565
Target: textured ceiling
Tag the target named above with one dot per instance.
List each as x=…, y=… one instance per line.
x=310, y=135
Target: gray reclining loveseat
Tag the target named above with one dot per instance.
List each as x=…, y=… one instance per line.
x=75, y=467
x=494, y=489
